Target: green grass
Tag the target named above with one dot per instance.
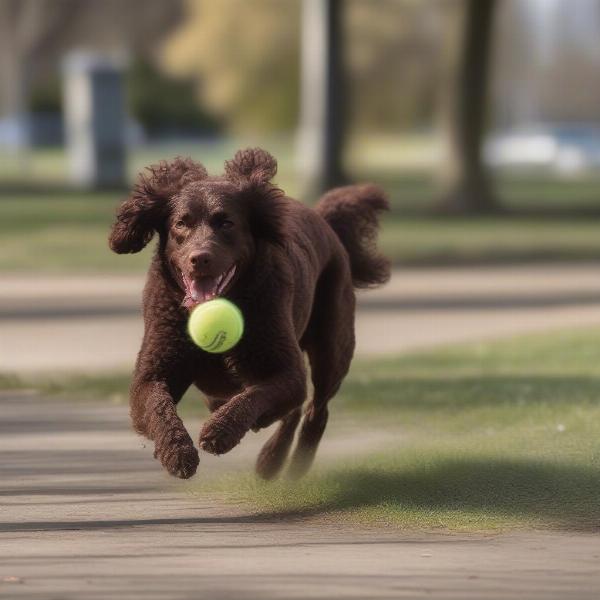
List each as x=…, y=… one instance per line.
x=67, y=233
x=111, y=386
x=484, y=437
x=42, y=230
x=419, y=240
x=536, y=192
x=60, y=232
x=49, y=166
x=489, y=436
x=108, y=386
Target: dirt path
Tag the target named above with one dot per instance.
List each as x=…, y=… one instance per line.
x=93, y=323
x=86, y=513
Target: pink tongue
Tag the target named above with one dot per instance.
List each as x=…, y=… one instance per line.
x=203, y=289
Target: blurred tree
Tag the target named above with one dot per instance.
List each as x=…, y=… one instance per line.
x=164, y=105
x=244, y=56
x=46, y=96
x=465, y=181
x=393, y=58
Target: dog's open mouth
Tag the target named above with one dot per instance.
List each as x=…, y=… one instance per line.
x=203, y=288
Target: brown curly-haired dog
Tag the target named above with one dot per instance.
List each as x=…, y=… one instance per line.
x=292, y=271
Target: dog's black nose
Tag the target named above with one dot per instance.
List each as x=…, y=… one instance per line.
x=200, y=259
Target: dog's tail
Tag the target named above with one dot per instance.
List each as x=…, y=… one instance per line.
x=352, y=212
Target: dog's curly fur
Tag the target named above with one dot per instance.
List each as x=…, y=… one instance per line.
x=292, y=270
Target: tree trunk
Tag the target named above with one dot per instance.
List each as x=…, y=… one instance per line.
x=322, y=96
x=465, y=182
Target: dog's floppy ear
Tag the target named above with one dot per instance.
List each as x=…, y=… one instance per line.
x=140, y=215
x=252, y=165
x=252, y=170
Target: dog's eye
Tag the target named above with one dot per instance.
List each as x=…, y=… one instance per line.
x=179, y=224
x=226, y=224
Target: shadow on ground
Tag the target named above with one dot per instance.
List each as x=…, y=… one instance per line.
x=453, y=494
x=555, y=495
x=551, y=496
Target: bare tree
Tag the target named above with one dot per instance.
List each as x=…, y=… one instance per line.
x=465, y=182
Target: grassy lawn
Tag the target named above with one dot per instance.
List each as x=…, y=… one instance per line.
x=60, y=231
x=489, y=436
x=486, y=436
x=67, y=232
x=111, y=387
x=420, y=241
x=45, y=166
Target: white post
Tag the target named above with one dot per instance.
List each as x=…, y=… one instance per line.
x=94, y=120
x=322, y=98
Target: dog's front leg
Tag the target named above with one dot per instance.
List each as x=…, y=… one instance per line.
x=259, y=405
x=270, y=366
x=154, y=414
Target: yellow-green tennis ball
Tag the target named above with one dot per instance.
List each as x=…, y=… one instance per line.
x=216, y=326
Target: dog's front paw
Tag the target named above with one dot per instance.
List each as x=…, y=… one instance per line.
x=180, y=460
x=219, y=436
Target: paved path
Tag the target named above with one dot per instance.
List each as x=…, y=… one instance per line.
x=93, y=323
x=85, y=513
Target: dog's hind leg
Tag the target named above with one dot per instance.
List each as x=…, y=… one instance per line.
x=275, y=451
x=311, y=432
x=329, y=344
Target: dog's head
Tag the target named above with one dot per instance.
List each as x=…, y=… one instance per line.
x=209, y=227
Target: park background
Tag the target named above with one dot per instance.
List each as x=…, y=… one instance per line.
x=481, y=121
x=457, y=118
